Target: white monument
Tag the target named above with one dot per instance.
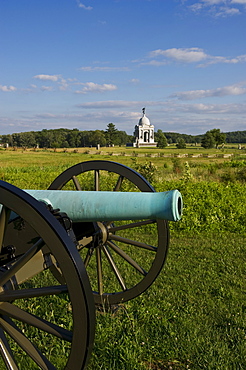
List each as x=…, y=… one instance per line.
x=144, y=133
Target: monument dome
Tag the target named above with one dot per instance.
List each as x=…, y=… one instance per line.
x=144, y=120
x=144, y=133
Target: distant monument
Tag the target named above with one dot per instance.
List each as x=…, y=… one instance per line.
x=144, y=133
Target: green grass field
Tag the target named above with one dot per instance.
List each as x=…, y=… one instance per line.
x=194, y=315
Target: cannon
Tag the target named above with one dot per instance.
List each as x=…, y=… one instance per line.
x=65, y=251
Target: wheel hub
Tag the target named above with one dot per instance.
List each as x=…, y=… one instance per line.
x=103, y=233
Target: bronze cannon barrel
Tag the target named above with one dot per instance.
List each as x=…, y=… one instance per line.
x=83, y=206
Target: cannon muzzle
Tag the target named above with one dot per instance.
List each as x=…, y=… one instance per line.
x=83, y=206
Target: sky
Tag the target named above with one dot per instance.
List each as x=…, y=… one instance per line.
x=86, y=63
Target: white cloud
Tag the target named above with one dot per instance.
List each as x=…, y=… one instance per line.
x=154, y=63
x=7, y=88
x=236, y=89
x=103, y=69
x=215, y=60
x=80, y=5
x=110, y=104
x=172, y=115
x=93, y=87
x=225, y=11
x=216, y=108
x=189, y=55
x=63, y=84
x=214, y=2
x=47, y=77
x=48, y=116
x=47, y=88
x=196, y=7
x=186, y=55
x=120, y=104
x=217, y=8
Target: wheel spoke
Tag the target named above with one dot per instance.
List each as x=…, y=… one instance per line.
x=99, y=270
x=58, y=275
x=131, y=225
x=4, y=217
x=21, y=261
x=6, y=352
x=118, y=183
x=15, y=333
x=76, y=183
x=88, y=256
x=127, y=258
x=11, y=295
x=25, y=317
x=132, y=242
x=117, y=188
x=114, y=267
x=96, y=180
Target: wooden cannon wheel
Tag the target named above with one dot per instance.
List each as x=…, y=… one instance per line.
x=122, y=258
x=43, y=324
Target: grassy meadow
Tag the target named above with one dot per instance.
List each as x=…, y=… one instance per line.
x=194, y=315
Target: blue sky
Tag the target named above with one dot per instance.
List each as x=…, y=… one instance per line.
x=85, y=63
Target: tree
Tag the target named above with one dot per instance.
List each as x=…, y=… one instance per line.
x=111, y=134
x=181, y=144
x=236, y=137
x=27, y=139
x=121, y=138
x=98, y=137
x=44, y=138
x=213, y=138
x=73, y=138
x=219, y=137
x=208, y=140
x=161, y=139
x=7, y=139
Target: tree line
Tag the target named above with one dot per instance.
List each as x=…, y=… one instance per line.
x=67, y=138
x=74, y=138
x=230, y=137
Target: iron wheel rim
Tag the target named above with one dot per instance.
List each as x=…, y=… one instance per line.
x=77, y=284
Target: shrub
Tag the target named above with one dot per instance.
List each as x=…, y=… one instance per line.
x=228, y=177
x=177, y=165
x=148, y=170
x=187, y=175
x=241, y=174
x=209, y=206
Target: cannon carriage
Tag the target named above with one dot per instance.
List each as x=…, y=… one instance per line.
x=48, y=293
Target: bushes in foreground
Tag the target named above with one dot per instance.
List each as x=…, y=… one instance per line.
x=209, y=206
